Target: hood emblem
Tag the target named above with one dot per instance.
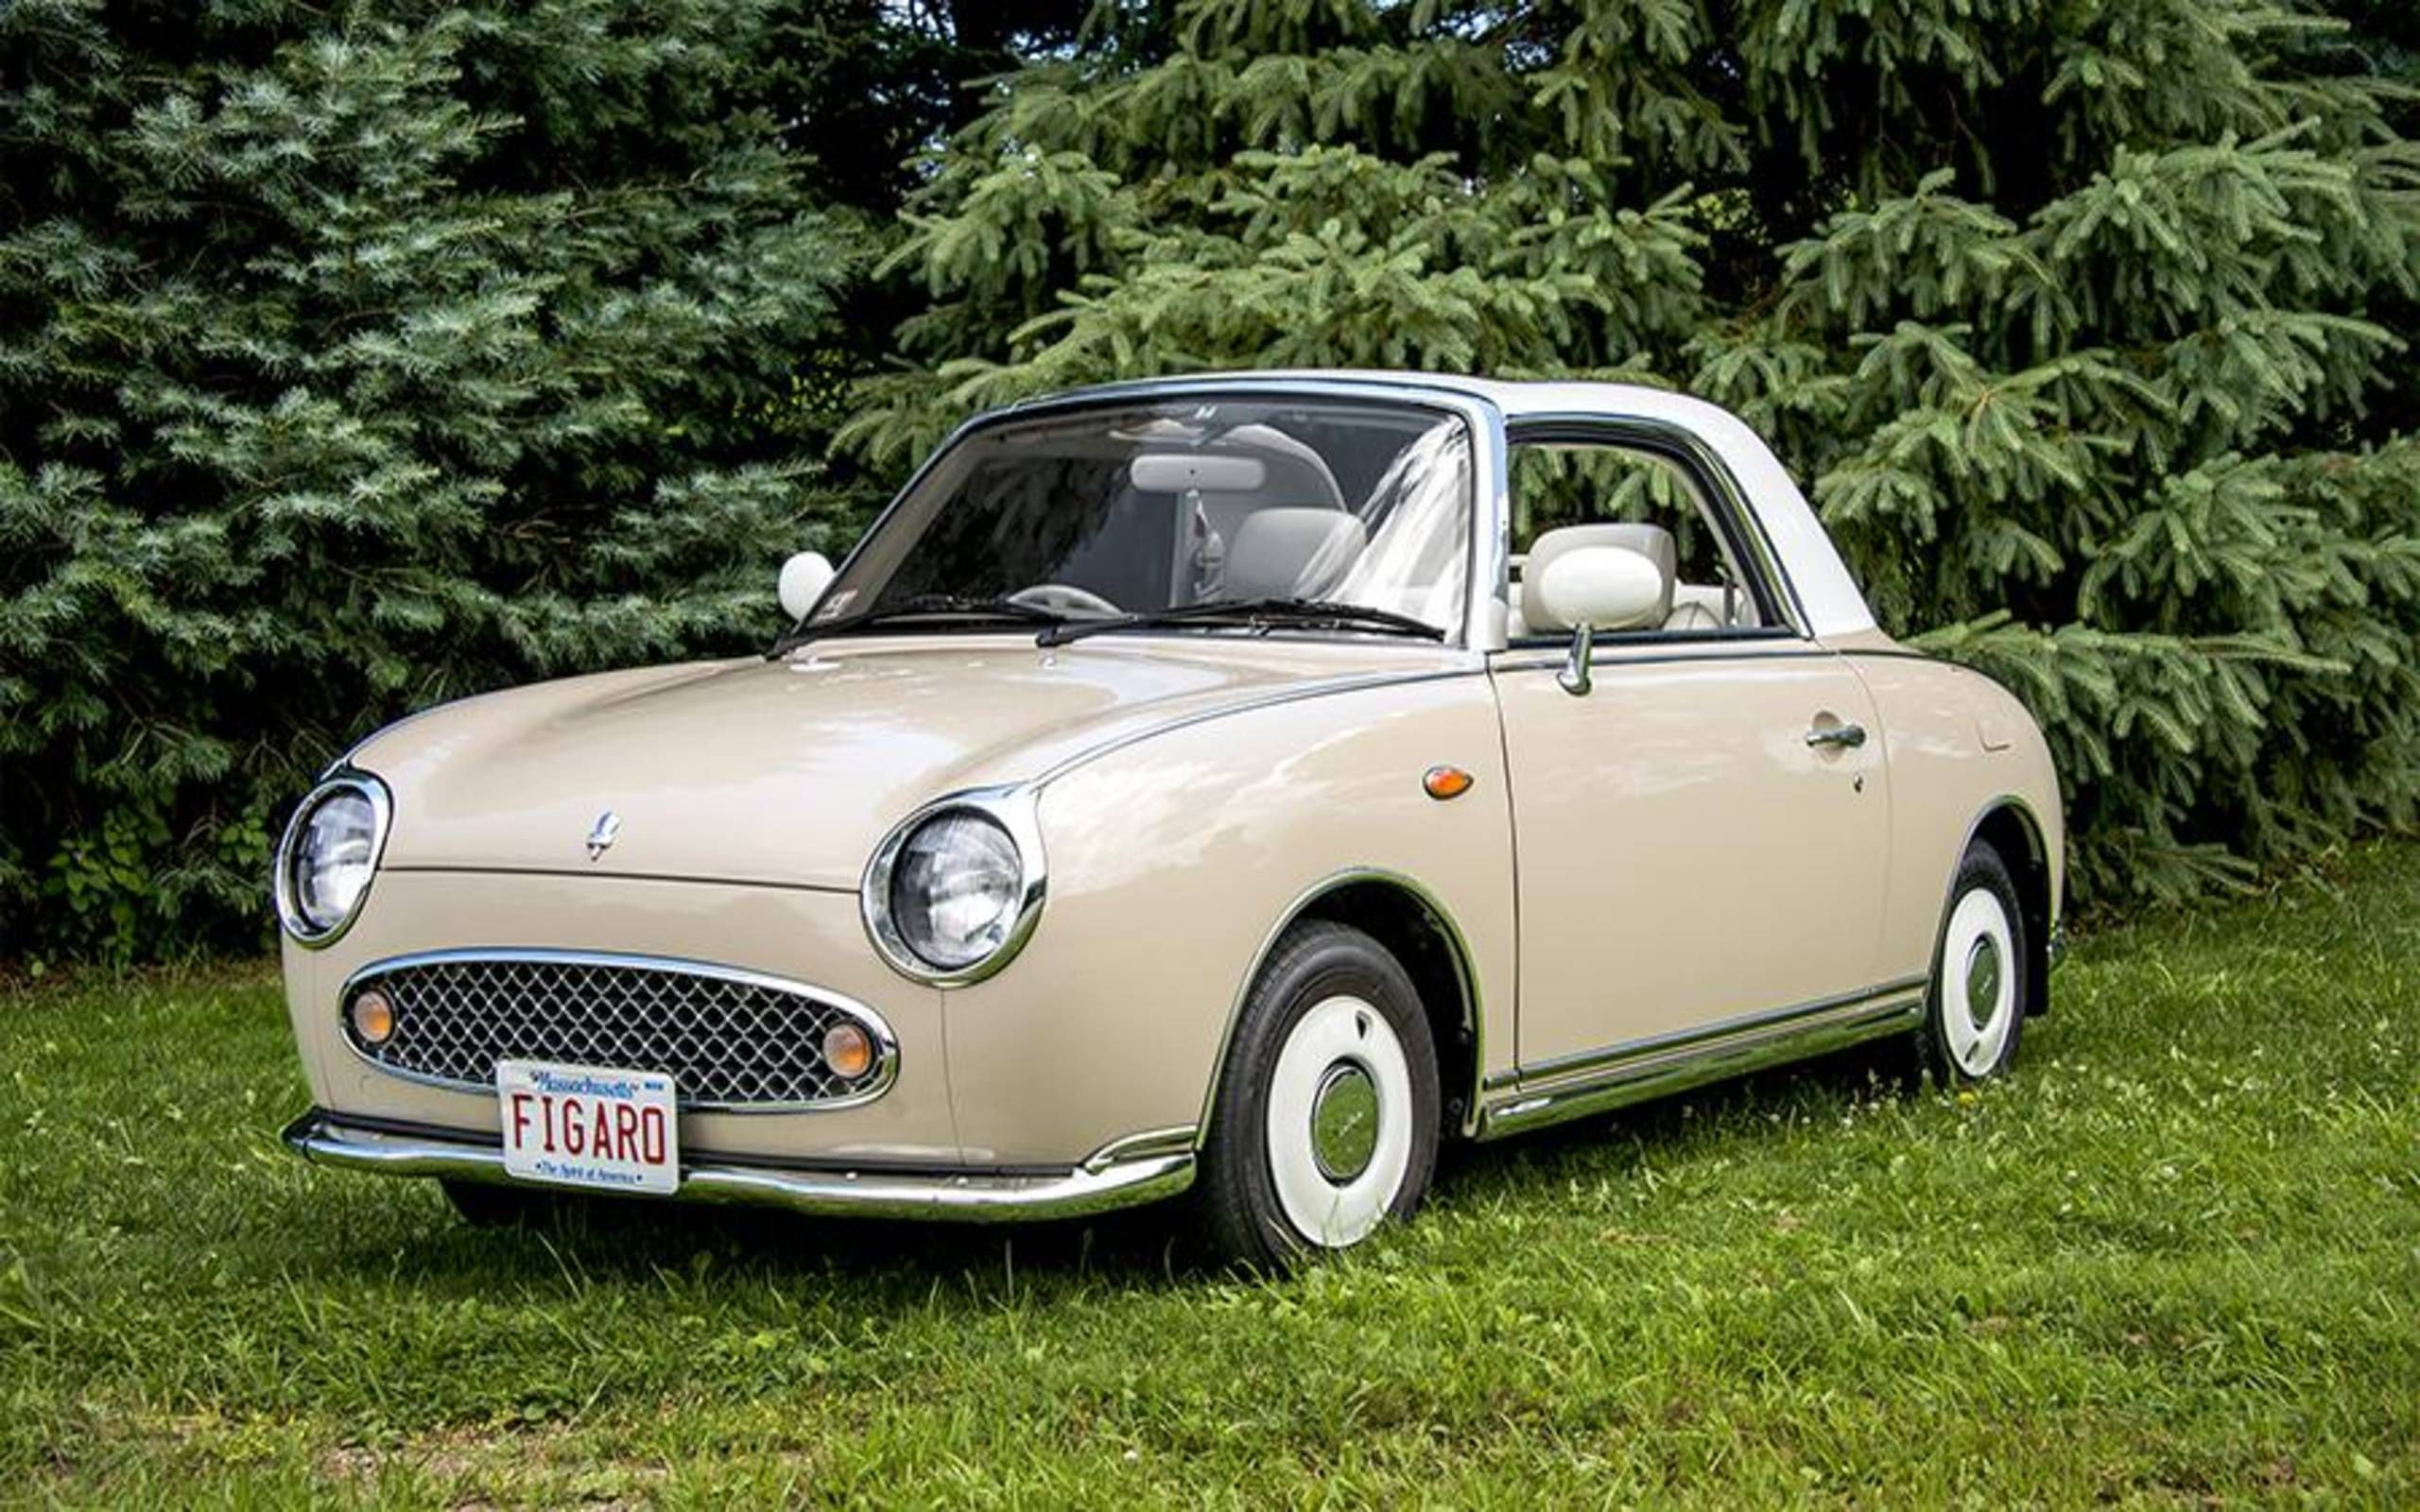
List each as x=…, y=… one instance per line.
x=601, y=833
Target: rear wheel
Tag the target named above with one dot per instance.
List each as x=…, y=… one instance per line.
x=1326, y=1123
x=1976, y=1012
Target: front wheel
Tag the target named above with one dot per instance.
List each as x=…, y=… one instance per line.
x=1976, y=1012
x=1326, y=1121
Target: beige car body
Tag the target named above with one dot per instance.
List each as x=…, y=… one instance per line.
x=1646, y=885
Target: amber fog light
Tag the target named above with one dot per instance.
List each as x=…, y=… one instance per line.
x=848, y=1049
x=373, y=1017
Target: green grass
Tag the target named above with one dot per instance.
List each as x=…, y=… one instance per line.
x=2175, y=1258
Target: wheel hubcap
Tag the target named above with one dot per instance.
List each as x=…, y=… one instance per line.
x=1339, y=1121
x=1977, y=1000
x=1984, y=981
x=1344, y=1122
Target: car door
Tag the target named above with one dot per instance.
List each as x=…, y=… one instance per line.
x=1700, y=837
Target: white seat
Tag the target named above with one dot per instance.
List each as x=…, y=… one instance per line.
x=1292, y=552
x=1696, y=607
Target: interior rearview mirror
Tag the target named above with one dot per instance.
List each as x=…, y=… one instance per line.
x=804, y=578
x=1210, y=472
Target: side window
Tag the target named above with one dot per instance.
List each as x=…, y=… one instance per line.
x=1558, y=485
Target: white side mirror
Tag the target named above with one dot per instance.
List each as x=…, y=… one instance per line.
x=804, y=578
x=1598, y=587
x=1604, y=587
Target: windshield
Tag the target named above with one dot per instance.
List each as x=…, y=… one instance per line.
x=1140, y=510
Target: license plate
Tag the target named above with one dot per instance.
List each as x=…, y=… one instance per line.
x=589, y=1127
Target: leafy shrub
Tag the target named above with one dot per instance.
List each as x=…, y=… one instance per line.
x=353, y=360
x=2067, y=317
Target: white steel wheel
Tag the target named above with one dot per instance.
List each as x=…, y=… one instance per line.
x=1339, y=1121
x=1978, y=1005
x=1979, y=988
x=1324, y=1121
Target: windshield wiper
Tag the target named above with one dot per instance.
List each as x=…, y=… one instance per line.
x=923, y=606
x=1260, y=612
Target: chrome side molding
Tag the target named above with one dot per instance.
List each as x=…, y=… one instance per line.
x=1602, y=1081
x=1177, y=1139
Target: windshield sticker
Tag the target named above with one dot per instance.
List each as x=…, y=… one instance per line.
x=835, y=604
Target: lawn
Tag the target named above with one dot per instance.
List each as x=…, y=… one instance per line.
x=2176, y=1257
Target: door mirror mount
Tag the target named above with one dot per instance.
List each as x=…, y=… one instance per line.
x=1574, y=677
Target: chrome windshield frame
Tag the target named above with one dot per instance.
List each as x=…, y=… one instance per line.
x=1487, y=559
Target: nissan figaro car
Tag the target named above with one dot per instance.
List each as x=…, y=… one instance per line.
x=1231, y=786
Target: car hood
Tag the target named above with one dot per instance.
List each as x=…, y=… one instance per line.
x=791, y=772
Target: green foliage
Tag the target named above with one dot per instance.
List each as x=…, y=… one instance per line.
x=2070, y=317
x=355, y=360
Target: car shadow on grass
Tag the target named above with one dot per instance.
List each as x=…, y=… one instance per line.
x=610, y=1241
x=603, y=1240
x=1737, y=1108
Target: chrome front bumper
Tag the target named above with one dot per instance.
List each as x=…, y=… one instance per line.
x=1126, y=1174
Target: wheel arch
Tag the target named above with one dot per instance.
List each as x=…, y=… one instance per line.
x=1417, y=929
x=2011, y=827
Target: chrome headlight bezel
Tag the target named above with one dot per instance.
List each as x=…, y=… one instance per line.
x=1011, y=808
x=297, y=925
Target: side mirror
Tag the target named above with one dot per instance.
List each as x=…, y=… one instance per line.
x=1598, y=587
x=1604, y=587
x=804, y=578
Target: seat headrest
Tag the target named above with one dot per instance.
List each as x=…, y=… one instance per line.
x=1653, y=542
x=1292, y=553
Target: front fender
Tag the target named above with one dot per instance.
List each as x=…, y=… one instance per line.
x=1173, y=856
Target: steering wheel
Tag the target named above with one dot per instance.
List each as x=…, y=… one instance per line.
x=1064, y=598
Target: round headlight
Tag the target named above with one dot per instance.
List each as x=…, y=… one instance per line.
x=956, y=888
x=330, y=852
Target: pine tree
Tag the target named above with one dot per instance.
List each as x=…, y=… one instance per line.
x=354, y=359
x=2070, y=319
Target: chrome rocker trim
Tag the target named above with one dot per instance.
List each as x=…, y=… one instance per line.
x=1598, y=1082
x=1144, y=1168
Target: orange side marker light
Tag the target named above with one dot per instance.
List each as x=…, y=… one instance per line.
x=1442, y=783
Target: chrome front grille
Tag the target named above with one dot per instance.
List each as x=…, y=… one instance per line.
x=730, y=1040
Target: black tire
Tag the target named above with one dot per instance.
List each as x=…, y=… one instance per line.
x=1944, y=1049
x=488, y=1204
x=1240, y=1215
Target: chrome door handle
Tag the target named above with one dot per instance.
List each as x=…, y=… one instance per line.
x=1848, y=737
